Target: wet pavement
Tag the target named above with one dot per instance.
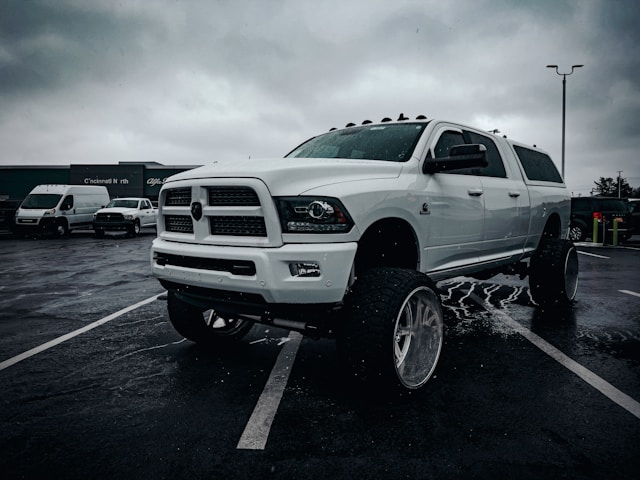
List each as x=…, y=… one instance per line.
x=128, y=397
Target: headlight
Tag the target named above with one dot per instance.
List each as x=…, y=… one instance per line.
x=129, y=217
x=312, y=215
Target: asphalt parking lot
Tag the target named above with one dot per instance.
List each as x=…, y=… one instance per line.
x=95, y=383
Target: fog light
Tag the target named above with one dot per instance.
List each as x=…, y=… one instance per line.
x=304, y=269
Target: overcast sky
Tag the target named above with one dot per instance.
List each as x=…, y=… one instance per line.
x=188, y=82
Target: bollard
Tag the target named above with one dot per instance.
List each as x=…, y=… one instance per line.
x=596, y=220
x=615, y=231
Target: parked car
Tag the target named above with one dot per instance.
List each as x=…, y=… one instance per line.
x=125, y=214
x=8, y=210
x=634, y=206
x=606, y=209
x=58, y=209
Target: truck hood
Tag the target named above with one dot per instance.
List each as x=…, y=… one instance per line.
x=295, y=176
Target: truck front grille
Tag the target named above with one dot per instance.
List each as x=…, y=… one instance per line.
x=110, y=218
x=218, y=211
x=178, y=223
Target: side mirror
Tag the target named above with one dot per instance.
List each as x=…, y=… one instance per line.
x=460, y=156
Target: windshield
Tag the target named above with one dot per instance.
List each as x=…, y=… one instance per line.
x=123, y=204
x=393, y=143
x=41, y=200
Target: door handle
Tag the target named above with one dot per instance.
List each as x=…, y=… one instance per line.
x=514, y=194
x=475, y=192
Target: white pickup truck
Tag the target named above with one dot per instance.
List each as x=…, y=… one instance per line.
x=128, y=214
x=347, y=235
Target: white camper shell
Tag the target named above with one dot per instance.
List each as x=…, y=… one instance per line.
x=58, y=209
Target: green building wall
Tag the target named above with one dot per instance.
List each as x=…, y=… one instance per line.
x=128, y=179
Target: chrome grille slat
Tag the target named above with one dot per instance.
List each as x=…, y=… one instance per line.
x=232, y=196
x=178, y=197
x=241, y=226
x=178, y=223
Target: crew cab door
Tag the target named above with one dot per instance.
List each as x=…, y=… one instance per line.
x=147, y=213
x=453, y=216
x=506, y=201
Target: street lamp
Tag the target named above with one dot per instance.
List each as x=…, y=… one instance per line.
x=564, y=101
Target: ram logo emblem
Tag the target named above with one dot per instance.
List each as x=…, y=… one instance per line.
x=196, y=211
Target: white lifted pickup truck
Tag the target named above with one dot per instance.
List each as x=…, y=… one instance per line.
x=347, y=235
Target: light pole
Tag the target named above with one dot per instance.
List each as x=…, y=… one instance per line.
x=619, y=172
x=564, y=102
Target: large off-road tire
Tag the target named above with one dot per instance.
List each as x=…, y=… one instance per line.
x=201, y=326
x=391, y=333
x=553, y=273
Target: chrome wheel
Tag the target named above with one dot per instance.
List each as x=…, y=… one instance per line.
x=571, y=270
x=206, y=326
x=418, y=337
x=576, y=233
x=224, y=326
x=553, y=273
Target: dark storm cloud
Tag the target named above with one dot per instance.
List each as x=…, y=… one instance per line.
x=185, y=82
x=48, y=46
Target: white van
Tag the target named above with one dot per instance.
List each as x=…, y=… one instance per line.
x=58, y=209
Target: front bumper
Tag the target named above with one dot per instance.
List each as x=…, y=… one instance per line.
x=28, y=226
x=255, y=271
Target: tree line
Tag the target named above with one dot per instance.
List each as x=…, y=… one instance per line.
x=611, y=187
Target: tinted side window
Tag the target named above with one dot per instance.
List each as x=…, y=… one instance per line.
x=612, y=205
x=537, y=165
x=580, y=204
x=496, y=166
x=446, y=141
x=450, y=139
x=67, y=204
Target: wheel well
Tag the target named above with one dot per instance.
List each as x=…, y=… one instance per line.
x=387, y=243
x=553, y=228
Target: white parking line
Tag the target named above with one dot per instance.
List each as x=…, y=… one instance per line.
x=257, y=430
x=75, y=333
x=629, y=292
x=593, y=255
x=611, y=392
